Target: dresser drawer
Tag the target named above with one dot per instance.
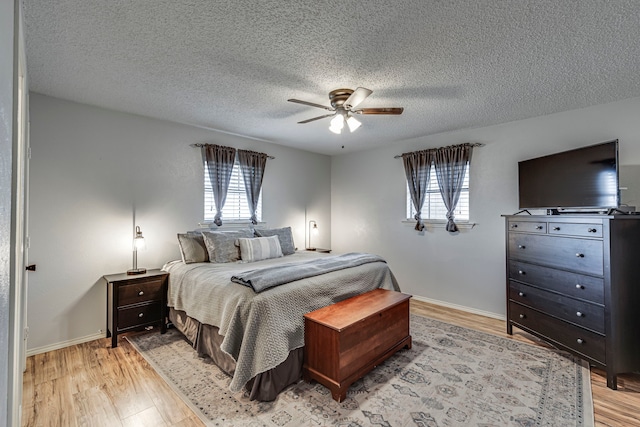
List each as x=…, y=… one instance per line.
x=138, y=315
x=580, y=313
x=580, y=255
x=528, y=226
x=564, y=334
x=572, y=284
x=579, y=230
x=149, y=290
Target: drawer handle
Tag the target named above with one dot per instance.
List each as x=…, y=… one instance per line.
x=514, y=225
x=579, y=286
x=520, y=294
x=522, y=247
x=579, y=255
x=592, y=230
x=522, y=316
x=521, y=272
x=556, y=228
x=538, y=227
x=580, y=341
x=140, y=293
x=579, y=314
x=141, y=315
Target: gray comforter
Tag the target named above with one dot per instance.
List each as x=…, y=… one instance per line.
x=265, y=278
x=260, y=329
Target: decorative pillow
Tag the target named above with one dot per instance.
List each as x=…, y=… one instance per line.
x=221, y=245
x=260, y=248
x=192, y=248
x=284, y=235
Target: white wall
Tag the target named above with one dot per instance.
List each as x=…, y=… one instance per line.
x=93, y=170
x=467, y=269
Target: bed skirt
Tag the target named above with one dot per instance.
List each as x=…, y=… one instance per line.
x=206, y=340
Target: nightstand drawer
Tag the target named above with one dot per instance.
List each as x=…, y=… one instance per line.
x=138, y=315
x=149, y=290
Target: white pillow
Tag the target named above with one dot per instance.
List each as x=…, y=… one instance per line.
x=259, y=248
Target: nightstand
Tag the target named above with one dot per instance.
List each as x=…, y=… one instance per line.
x=320, y=250
x=135, y=302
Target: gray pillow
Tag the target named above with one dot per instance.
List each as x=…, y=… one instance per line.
x=221, y=245
x=192, y=248
x=259, y=248
x=284, y=235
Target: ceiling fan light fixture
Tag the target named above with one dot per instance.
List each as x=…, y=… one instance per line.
x=337, y=122
x=343, y=105
x=353, y=123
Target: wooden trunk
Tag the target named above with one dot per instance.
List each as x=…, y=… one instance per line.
x=346, y=340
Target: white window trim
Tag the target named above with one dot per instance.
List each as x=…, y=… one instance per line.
x=232, y=224
x=437, y=223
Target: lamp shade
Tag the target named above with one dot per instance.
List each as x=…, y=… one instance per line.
x=313, y=231
x=353, y=123
x=139, y=244
x=337, y=122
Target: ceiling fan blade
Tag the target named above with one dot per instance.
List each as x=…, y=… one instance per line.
x=358, y=95
x=297, y=101
x=395, y=110
x=316, y=118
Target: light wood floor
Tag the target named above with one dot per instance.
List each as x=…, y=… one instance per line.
x=91, y=384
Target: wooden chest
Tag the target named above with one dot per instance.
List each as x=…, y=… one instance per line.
x=346, y=340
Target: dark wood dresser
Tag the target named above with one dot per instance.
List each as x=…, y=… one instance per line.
x=574, y=281
x=135, y=302
x=346, y=340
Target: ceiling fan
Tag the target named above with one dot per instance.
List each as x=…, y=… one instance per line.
x=343, y=107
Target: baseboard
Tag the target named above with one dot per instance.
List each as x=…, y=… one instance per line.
x=461, y=308
x=63, y=344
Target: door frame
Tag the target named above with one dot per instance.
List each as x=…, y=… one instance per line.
x=19, y=238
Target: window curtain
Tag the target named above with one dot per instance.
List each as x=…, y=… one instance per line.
x=219, y=161
x=417, y=166
x=252, y=166
x=451, y=166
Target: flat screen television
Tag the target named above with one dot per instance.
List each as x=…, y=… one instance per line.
x=582, y=179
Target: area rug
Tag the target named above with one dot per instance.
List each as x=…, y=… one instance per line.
x=452, y=376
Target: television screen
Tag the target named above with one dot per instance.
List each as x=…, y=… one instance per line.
x=577, y=179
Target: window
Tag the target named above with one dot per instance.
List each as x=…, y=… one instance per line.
x=235, y=207
x=433, y=208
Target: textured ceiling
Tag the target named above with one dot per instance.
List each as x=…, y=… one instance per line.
x=232, y=65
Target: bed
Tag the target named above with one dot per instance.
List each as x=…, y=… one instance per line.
x=258, y=338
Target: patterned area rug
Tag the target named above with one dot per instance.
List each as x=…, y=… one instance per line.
x=452, y=376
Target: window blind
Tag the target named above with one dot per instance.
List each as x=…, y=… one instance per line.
x=235, y=207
